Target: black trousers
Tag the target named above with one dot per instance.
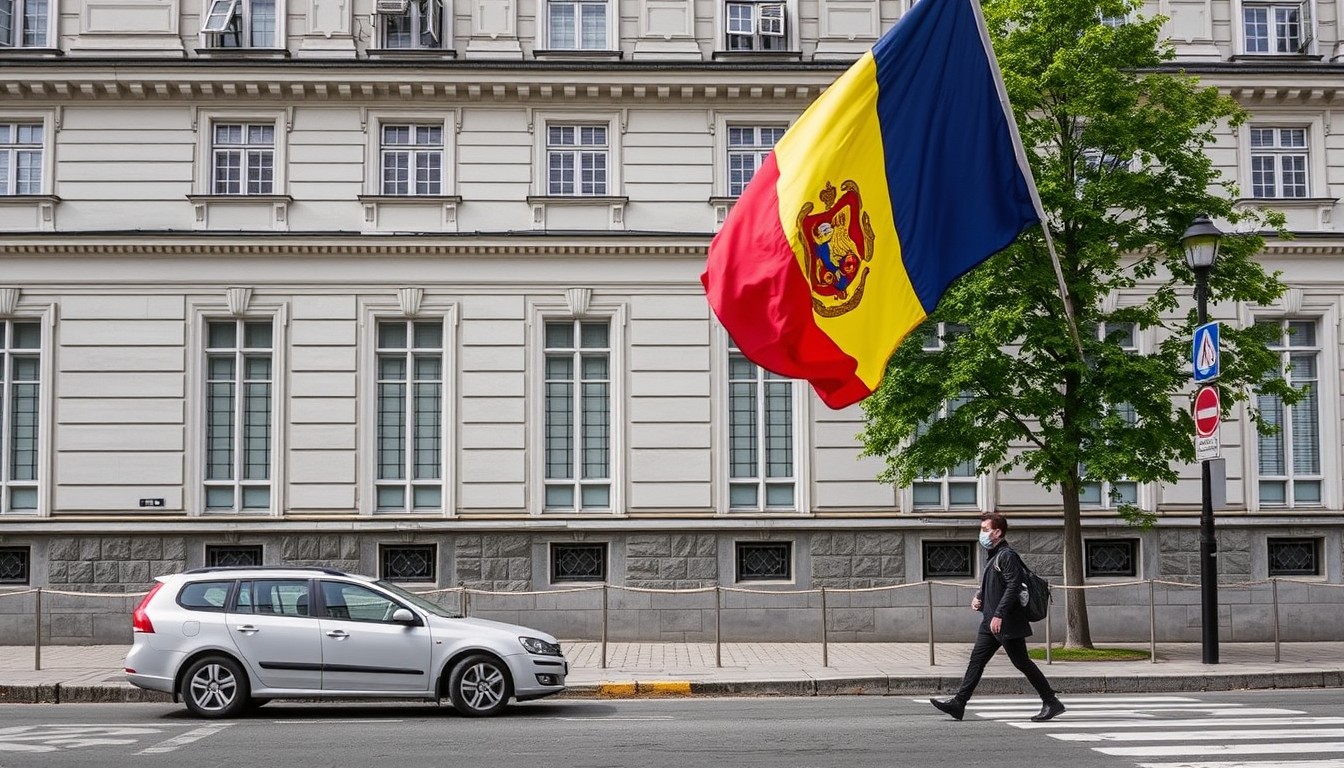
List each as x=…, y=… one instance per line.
x=986, y=645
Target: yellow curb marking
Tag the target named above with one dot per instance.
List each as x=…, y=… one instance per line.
x=616, y=690
x=666, y=687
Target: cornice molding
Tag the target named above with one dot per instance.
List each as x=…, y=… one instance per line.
x=355, y=249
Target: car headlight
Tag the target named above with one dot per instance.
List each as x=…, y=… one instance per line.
x=540, y=647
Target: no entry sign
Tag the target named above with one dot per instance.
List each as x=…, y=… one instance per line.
x=1207, y=412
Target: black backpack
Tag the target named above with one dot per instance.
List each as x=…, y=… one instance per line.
x=1035, y=595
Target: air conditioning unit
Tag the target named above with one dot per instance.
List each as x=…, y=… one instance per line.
x=391, y=7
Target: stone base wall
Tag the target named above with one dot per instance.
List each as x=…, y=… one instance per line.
x=110, y=572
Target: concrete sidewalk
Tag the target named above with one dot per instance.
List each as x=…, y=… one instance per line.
x=94, y=673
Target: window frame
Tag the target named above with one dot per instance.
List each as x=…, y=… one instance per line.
x=540, y=126
x=45, y=319
x=1307, y=28
x=19, y=30
x=616, y=313
x=371, y=312
x=1315, y=167
x=545, y=42
x=1318, y=544
x=797, y=425
x=790, y=561
x=1291, y=477
x=46, y=119
x=409, y=483
x=786, y=30
x=445, y=15
x=552, y=562
x=203, y=311
x=226, y=11
x=212, y=552
x=971, y=559
x=1106, y=487
x=945, y=481
x=433, y=549
x=26, y=552
x=1135, y=546
x=376, y=121
x=204, y=124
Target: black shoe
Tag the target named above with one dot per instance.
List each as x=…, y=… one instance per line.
x=1049, y=710
x=953, y=707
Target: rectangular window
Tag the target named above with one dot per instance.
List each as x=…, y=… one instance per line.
x=278, y=597
x=24, y=23
x=233, y=556
x=754, y=26
x=1109, y=494
x=20, y=397
x=410, y=416
x=576, y=159
x=1290, y=459
x=1275, y=28
x=238, y=407
x=576, y=25
x=14, y=565
x=959, y=486
x=764, y=560
x=578, y=414
x=20, y=158
x=420, y=25
x=1294, y=557
x=578, y=562
x=1111, y=557
x=949, y=559
x=1279, y=162
x=408, y=562
x=761, y=471
x=412, y=159
x=240, y=23
x=748, y=147
x=243, y=159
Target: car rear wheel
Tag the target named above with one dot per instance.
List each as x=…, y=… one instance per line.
x=479, y=686
x=215, y=686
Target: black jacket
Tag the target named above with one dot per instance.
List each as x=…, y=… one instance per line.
x=1000, y=590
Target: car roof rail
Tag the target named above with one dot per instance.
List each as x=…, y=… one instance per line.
x=227, y=568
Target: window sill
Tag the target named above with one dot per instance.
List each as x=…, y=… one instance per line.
x=615, y=205
x=411, y=53
x=410, y=212
x=241, y=211
x=42, y=208
x=1302, y=214
x=31, y=53
x=576, y=53
x=757, y=56
x=1277, y=57
x=243, y=53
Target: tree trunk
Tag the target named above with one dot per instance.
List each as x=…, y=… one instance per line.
x=1079, y=634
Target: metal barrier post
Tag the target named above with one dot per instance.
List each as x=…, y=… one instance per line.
x=1274, y=584
x=929, y=584
x=1152, y=625
x=462, y=599
x=825, y=650
x=466, y=602
x=604, y=626
x=1049, y=603
x=37, y=630
x=718, y=626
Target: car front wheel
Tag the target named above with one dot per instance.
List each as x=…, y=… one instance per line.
x=479, y=686
x=215, y=687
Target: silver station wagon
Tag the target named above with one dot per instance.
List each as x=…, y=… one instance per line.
x=226, y=639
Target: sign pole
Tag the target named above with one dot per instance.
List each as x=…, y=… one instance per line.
x=1208, y=544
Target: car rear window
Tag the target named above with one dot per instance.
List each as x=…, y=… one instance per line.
x=205, y=595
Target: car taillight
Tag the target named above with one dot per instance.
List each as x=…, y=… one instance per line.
x=139, y=619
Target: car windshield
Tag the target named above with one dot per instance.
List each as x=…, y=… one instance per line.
x=418, y=601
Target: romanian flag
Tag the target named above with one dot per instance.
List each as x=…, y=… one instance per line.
x=903, y=175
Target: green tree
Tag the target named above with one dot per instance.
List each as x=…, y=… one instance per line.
x=1117, y=139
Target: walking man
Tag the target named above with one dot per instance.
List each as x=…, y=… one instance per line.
x=1004, y=623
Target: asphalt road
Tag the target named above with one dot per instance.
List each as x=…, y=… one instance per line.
x=1260, y=729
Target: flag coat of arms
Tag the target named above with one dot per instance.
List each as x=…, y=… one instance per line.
x=903, y=175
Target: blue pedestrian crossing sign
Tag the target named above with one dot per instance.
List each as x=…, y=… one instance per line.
x=1204, y=354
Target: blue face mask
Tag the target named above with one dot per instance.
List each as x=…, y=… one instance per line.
x=985, y=540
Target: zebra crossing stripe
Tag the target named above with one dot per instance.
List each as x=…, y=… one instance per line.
x=1239, y=722
x=1172, y=750
x=1238, y=735
x=1251, y=764
x=1235, y=715
x=1084, y=705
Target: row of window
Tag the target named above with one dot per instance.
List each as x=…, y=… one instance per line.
x=411, y=159
x=753, y=560
x=578, y=405
x=1267, y=28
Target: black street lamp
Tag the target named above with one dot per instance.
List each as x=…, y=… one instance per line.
x=1201, y=251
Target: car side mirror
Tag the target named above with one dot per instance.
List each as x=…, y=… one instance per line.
x=403, y=616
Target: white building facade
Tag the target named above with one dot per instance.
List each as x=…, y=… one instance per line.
x=411, y=289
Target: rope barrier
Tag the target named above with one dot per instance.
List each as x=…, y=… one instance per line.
x=689, y=591
x=47, y=591
x=16, y=594
x=472, y=591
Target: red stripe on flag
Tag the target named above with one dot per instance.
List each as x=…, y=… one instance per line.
x=759, y=293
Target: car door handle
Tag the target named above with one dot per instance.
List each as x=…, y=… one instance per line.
x=338, y=634
x=247, y=629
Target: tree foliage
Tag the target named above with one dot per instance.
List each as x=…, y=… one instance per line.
x=1116, y=139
